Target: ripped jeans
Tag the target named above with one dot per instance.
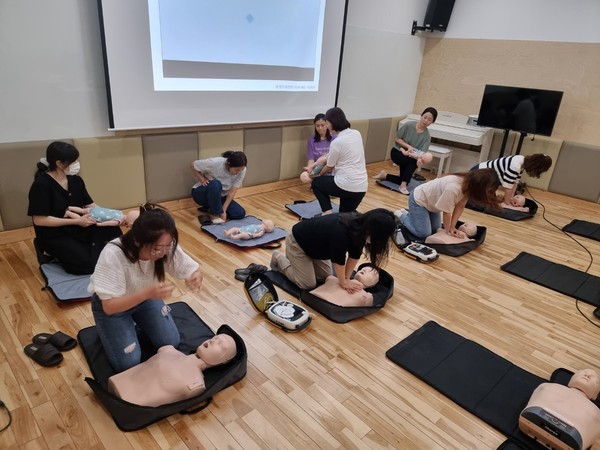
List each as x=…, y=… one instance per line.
x=117, y=332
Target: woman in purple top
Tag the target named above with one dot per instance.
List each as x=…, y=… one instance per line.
x=318, y=144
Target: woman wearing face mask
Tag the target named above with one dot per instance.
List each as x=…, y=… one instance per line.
x=75, y=242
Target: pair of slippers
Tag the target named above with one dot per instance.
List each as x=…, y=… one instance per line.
x=45, y=348
x=242, y=274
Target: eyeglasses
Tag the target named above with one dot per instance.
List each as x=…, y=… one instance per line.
x=162, y=249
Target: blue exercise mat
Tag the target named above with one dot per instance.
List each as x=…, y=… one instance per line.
x=218, y=231
x=65, y=287
x=308, y=210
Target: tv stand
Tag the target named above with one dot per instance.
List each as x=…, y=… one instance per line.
x=519, y=144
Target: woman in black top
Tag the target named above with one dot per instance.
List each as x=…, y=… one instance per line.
x=75, y=243
x=313, y=245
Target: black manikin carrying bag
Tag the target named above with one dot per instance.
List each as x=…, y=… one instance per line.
x=382, y=291
x=193, y=331
x=450, y=249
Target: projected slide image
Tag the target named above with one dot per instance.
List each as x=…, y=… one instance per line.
x=236, y=45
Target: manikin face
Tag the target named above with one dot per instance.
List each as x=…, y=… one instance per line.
x=368, y=276
x=518, y=200
x=321, y=127
x=587, y=381
x=217, y=350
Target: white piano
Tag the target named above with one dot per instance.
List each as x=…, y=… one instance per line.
x=452, y=128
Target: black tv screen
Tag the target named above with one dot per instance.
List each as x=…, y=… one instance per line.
x=525, y=110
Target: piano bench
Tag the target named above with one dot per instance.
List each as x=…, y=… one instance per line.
x=444, y=154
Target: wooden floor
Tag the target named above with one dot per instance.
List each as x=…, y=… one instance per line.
x=331, y=385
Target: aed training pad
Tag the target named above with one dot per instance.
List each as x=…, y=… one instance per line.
x=558, y=277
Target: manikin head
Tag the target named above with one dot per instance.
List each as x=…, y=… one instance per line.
x=470, y=229
x=130, y=217
x=217, y=350
x=518, y=200
x=426, y=158
x=305, y=177
x=268, y=225
x=368, y=276
x=587, y=381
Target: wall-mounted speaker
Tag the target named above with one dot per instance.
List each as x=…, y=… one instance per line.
x=438, y=14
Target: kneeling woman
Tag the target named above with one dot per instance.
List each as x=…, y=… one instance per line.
x=129, y=287
x=314, y=244
x=448, y=195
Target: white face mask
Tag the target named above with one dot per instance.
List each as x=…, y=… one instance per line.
x=74, y=168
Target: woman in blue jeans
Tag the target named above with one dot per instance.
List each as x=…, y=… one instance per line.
x=129, y=287
x=442, y=201
x=218, y=181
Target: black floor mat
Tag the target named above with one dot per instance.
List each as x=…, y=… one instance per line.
x=583, y=228
x=558, y=277
x=482, y=382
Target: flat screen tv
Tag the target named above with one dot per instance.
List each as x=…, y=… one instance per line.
x=526, y=110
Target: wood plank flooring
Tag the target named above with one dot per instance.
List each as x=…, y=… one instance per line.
x=329, y=386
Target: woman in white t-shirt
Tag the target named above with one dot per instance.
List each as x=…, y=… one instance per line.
x=219, y=179
x=442, y=201
x=129, y=287
x=347, y=157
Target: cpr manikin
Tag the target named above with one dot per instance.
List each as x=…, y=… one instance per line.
x=469, y=230
x=170, y=375
x=517, y=203
x=564, y=417
x=334, y=293
x=250, y=231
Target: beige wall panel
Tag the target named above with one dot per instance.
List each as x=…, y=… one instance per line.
x=263, y=149
x=454, y=73
x=547, y=146
x=215, y=143
x=363, y=127
x=113, y=170
x=167, y=160
x=293, y=150
x=17, y=167
x=377, y=139
x=392, y=135
x=576, y=171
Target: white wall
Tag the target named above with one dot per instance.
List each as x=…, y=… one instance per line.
x=530, y=20
x=382, y=61
x=52, y=81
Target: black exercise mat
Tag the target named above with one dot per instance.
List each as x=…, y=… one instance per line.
x=480, y=381
x=507, y=213
x=566, y=280
x=218, y=231
x=193, y=332
x=583, y=228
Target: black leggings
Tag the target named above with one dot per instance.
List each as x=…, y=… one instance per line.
x=78, y=254
x=406, y=164
x=324, y=187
